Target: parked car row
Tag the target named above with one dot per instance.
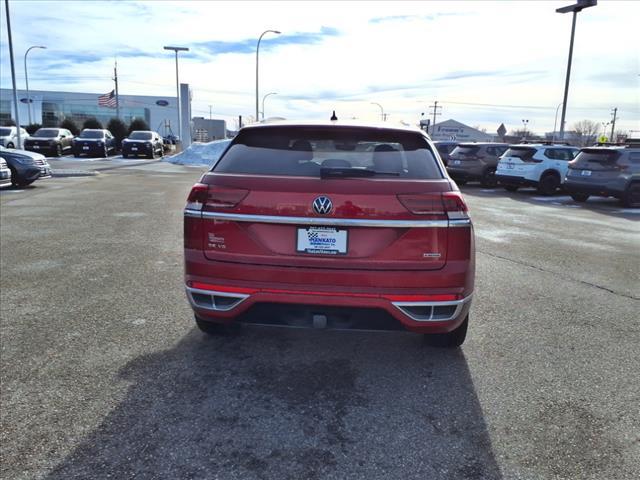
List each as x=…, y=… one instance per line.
x=24, y=167
x=612, y=170
x=91, y=142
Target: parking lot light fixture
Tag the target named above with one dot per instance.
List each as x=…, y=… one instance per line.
x=176, y=50
x=26, y=78
x=381, y=110
x=264, y=98
x=575, y=8
x=257, y=57
x=524, y=133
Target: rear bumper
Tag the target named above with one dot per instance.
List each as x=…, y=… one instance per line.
x=512, y=180
x=141, y=149
x=465, y=174
x=600, y=190
x=427, y=308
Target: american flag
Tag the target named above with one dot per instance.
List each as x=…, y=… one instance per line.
x=108, y=99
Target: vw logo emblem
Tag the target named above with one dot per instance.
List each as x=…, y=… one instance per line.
x=322, y=205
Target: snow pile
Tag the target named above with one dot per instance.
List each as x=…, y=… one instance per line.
x=200, y=153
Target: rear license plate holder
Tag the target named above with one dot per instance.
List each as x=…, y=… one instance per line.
x=455, y=162
x=85, y=148
x=322, y=241
x=586, y=173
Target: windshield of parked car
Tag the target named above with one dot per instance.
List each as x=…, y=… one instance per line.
x=46, y=133
x=140, y=135
x=4, y=132
x=91, y=134
x=304, y=151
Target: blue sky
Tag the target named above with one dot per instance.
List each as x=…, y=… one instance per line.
x=485, y=63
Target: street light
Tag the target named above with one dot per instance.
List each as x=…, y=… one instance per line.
x=257, y=54
x=555, y=121
x=575, y=8
x=26, y=77
x=381, y=110
x=176, y=50
x=263, y=99
x=524, y=123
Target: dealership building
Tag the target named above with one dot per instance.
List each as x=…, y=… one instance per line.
x=50, y=108
x=453, y=130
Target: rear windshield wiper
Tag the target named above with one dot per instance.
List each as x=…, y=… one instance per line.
x=343, y=172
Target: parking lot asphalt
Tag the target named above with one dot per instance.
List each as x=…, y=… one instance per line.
x=105, y=376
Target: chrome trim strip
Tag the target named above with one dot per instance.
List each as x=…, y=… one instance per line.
x=192, y=213
x=328, y=221
x=212, y=293
x=458, y=303
x=460, y=223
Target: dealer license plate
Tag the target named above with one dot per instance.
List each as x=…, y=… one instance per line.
x=586, y=173
x=36, y=147
x=134, y=149
x=85, y=148
x=456, y=162
x=322, y=240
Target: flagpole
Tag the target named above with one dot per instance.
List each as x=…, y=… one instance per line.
x=115, y=79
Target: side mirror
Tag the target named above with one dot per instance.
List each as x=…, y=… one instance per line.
x=63, y=136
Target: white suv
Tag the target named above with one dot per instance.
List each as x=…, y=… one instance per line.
x=9, y=136
x=543, y=166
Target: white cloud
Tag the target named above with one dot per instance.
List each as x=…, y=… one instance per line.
x=403, y=55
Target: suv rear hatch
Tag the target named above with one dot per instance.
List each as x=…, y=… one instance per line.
x=328, y=197
x=517, y=161
x=601, y=163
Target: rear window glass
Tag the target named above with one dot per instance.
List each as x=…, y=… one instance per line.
x=523, y=153
x=465, y=150
x=302, y=151
x=597, y=156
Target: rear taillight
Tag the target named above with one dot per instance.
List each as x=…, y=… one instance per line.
x=212, y=196
x=223, y=197
x=197, y=196
x=450, y=204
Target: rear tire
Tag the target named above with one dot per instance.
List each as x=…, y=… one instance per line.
x=452, y=339
x=124, y=155
x=631, y=196
x=548, y=184
x=211, y=328
x=10, y=145
x=511, y=188
x=488, y=179
x=580, y=197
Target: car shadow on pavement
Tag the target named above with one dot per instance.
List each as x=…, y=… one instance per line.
x=272, y=403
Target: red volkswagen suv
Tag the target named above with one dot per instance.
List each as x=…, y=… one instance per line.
x=330, y=215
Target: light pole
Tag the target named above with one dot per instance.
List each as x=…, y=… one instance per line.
x=176, y=50
x=604, y=129
x=381, y=110
x=257, y=56
x=263, y=99
x=555, y=121
x=575, y=8
x=26, y=78
x=524, y=123
x=13, y=73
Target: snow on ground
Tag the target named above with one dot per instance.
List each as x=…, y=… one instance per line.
x=200, y=153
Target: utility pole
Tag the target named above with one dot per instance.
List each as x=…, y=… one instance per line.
x=115, y=79
x=13, y=74
x=613, y=122
x=435, y=112
x=210, y=111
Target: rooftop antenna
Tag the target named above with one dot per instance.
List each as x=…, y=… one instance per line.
x=333, y=117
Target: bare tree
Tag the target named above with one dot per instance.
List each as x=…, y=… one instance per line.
x=586, y=131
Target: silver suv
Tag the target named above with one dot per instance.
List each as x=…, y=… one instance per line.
x=612, y=171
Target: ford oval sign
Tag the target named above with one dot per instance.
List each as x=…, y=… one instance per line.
x=26, y=100
x=162, y=103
